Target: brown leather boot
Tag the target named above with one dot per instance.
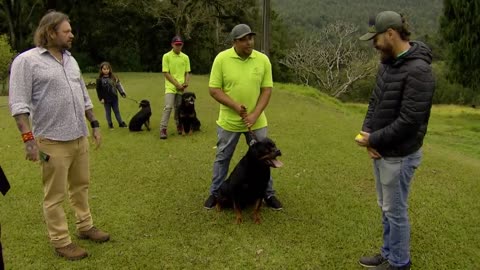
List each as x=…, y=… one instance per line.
x=95, y=235
x=71, y=252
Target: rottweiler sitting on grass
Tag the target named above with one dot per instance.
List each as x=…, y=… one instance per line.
x=142, y=117
x=187, y=115
x=248, y=182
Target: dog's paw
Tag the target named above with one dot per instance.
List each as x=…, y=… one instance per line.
x=256, y=218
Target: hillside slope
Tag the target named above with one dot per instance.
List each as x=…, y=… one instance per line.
x=314, y=14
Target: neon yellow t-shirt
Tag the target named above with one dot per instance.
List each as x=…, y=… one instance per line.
x=177, y=65
x=241, y=80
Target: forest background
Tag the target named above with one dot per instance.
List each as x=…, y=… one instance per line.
x=307, y=36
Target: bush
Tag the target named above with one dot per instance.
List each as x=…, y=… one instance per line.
x=6, y=56
x=360, y=92
x=127, y=57
x=87, y=65
x=447, y=92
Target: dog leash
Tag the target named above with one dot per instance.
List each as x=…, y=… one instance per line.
x=250, y=132
x=132, y=99
x=130, y=115
x=253, y=136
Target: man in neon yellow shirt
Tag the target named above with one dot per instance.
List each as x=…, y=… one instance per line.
x=241, y=81
x=176, y=69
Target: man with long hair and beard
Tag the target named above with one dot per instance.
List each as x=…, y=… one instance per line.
x=394, y=128
x=46, y=86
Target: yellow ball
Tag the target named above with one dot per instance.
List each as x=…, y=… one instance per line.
x=359, y=137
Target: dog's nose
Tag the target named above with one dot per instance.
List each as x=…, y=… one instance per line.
x=278, y=153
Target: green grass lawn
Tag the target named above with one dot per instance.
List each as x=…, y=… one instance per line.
x=149, y=193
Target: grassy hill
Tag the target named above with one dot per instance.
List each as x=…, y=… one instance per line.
x=314, y=14
x=149, y=193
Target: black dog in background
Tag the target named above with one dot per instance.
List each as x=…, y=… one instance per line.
x=187, y=114
x=142, y=117
x=248, y=182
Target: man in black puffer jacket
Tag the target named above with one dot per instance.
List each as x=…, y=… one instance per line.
x=394, y=128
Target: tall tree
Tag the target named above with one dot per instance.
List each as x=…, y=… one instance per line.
x=460, y=26
x=17, y=15
x=204, y=24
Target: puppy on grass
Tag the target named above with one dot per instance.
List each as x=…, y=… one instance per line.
x=248, y=182
x=142, y=117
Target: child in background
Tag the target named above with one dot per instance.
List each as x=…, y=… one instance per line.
x=107, y=87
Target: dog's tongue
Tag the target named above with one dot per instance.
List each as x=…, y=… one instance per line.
x=277, y=163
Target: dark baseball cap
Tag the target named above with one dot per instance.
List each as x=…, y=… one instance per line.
x=241, y=30
x=177, y=40
x=381, y=23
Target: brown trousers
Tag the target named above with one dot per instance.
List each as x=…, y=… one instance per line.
x=67, y=169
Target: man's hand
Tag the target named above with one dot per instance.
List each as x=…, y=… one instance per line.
x=363, y=139
x=250, y=120
x=185, y=85
x=179, y=87
x=31, y=150
x=96, y=137
x=373, y=153
x=123, y=95
x=241, y=110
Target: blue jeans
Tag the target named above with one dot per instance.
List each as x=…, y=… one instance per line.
x=392, y=177
x=109, y=106
x=226, y=143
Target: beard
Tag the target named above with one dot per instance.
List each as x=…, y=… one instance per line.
x=386, y=53
x=64, y=45
x=67, y=45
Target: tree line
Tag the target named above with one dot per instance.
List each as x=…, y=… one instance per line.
x=312, y=43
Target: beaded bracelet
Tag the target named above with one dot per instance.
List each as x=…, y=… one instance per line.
x=27, y=136
x=95, y=124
